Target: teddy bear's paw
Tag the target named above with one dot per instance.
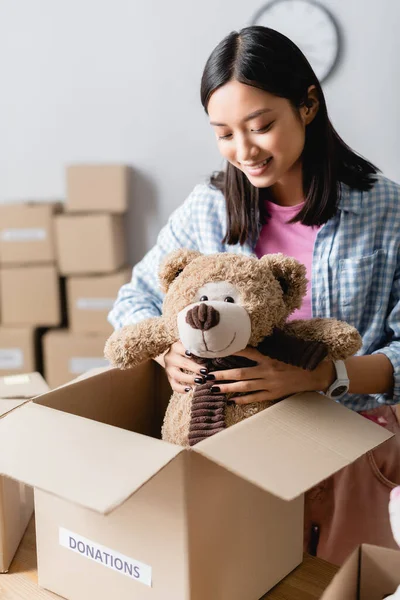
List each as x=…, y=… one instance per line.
x=121, y=350
x=345, y=341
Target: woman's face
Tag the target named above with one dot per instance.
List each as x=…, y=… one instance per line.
x=257, y=132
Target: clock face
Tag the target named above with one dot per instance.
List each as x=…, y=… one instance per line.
x=309, y=25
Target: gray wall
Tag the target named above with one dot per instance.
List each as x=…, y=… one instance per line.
x=118, y=80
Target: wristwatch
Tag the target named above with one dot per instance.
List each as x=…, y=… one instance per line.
x=341, y=384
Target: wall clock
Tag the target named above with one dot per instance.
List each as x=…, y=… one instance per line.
x=310, y=26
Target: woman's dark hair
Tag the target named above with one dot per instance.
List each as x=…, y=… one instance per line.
x=266, y=59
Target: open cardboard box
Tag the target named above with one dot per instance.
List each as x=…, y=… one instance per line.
x=122, y=514
x=16, y=499
x=370, y=573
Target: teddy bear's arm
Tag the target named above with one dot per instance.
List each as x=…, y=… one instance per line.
x=341, y=339
x=133, y=344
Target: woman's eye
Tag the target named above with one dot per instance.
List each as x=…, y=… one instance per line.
x=225, y=137
x=229, y=299
x=263, y=129
x=204, y=299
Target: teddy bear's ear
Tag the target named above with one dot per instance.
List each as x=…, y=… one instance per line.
x=291, y=275
x=174, y=264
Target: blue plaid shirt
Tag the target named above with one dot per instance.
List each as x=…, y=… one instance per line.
x=355, y=268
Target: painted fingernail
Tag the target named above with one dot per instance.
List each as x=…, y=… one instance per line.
x=187, y=389
x=215, y=389
x=210, y=377
x=198, y=380
x=188, y=353
x=230, y=402
x=204, y=371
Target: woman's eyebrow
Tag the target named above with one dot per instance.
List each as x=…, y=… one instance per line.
x=252, y=115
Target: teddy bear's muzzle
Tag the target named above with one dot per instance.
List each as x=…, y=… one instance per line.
x=203, y=317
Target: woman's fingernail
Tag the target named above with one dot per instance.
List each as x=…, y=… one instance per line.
x=215, y=389
x=210, y=377
x=230, y=402
x=204, y=371
x=188, y=353
x=187, y=389
x=198, y=380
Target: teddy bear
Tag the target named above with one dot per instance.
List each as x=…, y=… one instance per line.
x=218, y=304
x=394, y=515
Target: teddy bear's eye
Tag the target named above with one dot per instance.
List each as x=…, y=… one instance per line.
x=229, y=299
x=204, y=299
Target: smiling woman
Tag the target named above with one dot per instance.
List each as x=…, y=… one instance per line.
x=265, y=144
x=292, y=185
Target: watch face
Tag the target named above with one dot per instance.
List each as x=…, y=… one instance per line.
x=309, y=25
x=341, y=389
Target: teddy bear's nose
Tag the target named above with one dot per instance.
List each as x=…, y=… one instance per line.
x=203, y=316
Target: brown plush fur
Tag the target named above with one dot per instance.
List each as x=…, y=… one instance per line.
x=270, y=289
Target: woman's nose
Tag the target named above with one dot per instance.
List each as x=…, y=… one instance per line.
x=246, y=151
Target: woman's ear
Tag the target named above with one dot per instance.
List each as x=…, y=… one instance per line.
x=310, y=107
x=174, y=264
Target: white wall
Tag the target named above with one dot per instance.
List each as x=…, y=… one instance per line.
x=118, y=80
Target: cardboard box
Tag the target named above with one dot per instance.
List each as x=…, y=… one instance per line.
x=121, y=514
x=17, y=350
x=370, y=573
x=90, y=244
x=67, y=354
x=103, y=188
x=91, y=298
x=16, y=499
x=27, y=233
x=30, y=296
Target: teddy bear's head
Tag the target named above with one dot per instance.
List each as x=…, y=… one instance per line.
x=221, y=303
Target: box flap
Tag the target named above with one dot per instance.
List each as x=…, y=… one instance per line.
x=345, y=584
x=7, y=404
x=86, y=462
x=293, y=445
x=26, y=385
x=379, y=571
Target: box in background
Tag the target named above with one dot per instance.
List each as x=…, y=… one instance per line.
x=67, y=355
x=121, y=514
x=90, y=244
x=16, y=499
x=17, y=350
x=90, y=298
x=370, y=573
x=30, y=296
x=103, y=188
x=27, y=233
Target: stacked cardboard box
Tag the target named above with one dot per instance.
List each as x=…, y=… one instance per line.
x=91, y=255
x=29, y=284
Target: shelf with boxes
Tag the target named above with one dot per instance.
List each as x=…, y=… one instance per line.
x=61, y=267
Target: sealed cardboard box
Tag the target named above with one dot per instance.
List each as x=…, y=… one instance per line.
x=16, y=499
x=370, y=573
x=30, y=296
x=67, y=354
x=103, y=188
x=122, y=514
x=17, y=350
x=90, y=244
x=27, y=233
x=90, y=298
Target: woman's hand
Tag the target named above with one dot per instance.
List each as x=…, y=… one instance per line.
x=176, y=361
x=269, y=379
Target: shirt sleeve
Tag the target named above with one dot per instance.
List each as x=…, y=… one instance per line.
x=392, y=349
x=142, y=298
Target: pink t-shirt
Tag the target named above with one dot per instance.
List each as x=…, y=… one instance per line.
x=292, y=239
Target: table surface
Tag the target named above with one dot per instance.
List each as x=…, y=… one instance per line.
x=307, y=582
